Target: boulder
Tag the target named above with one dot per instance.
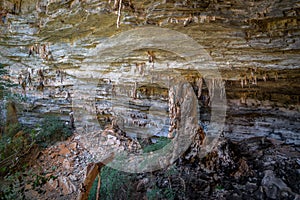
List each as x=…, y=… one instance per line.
x=66, y=186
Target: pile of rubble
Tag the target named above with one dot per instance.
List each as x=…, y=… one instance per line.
x=255, y=168
x=63, y=168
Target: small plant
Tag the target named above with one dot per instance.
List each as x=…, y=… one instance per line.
x=219, y=187
x=52, y=130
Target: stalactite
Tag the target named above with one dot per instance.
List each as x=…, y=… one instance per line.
x=199, y=83
x=172, y=113
x=210, y=85
x=220, y=84
x=216, y=85
x=119, y=13
x=134, y=91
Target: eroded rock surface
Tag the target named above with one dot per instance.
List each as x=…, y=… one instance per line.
x=254, y=44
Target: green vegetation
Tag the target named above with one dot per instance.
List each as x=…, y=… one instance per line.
x=116, y=184
x=14, y=189
x=16, y=184
x=15, y=148
x=160, y=143
x=17, y=141
x=120, y=185
x=12, y=130
x=219, y=187
x=52, y=129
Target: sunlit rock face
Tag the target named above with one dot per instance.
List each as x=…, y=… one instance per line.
x=254, y=46
x=105, y=66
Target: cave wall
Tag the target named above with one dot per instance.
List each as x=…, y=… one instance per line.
x=242, y=33
x=237, y=35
